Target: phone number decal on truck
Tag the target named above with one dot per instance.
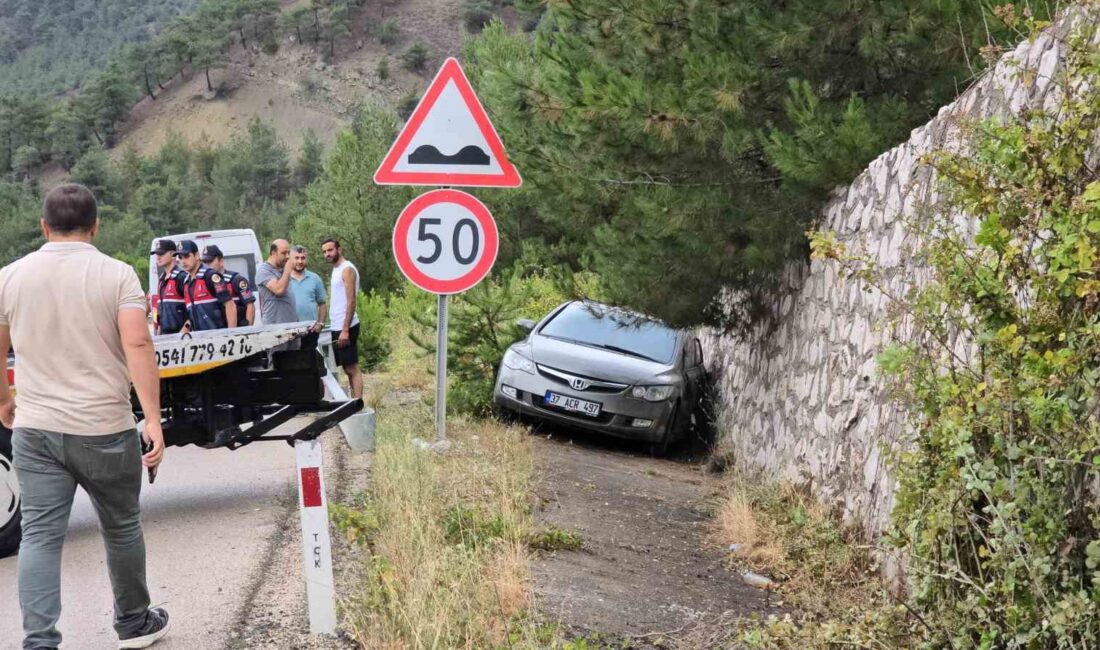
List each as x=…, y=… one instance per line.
x=186, y=352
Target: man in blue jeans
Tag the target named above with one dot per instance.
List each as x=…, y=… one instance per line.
x=78, y=321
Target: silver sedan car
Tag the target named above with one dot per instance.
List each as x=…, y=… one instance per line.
x=607, y=370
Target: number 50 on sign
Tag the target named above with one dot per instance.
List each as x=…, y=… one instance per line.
x=445, y=241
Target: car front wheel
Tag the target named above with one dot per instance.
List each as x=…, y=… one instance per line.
x=10, y=516
x=672, y=432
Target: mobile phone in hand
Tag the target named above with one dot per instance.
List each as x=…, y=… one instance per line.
x=147, y=447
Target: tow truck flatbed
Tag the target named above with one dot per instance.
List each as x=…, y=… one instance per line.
x=232, y=387
x=190, y=354
x=226, y=388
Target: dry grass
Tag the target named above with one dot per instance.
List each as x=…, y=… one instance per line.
x=736, y=522
x=448, y=567
x=823, y=569
x=447, y=533
x=789, y=535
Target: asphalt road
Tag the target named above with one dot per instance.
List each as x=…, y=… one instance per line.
x=207, y=519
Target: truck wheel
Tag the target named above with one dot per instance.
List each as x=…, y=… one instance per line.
x=10, y=518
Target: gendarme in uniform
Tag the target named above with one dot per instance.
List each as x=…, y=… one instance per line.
x=171, y=290
x=205, y=295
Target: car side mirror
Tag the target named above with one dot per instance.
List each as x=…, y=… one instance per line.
x=526, y=324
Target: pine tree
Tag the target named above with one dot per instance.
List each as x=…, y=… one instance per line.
x=682, y=148
x=345, y=203
x=95, y=171
x=310, y=160
x=293, y=20
x=19, y=213
x=336, y=25
x=106, y=102
x=67, y=135
x=206, y=53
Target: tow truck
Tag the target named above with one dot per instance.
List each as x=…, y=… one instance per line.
x=224, y=388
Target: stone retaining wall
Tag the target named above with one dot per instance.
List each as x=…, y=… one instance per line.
x=802, y=400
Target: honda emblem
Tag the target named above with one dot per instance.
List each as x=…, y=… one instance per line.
x=578, y=384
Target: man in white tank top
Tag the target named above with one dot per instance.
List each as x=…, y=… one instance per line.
x=343, y=319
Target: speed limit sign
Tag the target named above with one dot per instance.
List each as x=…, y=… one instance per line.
x=445, y=241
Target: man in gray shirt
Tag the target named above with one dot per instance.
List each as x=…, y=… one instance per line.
x=273, y=285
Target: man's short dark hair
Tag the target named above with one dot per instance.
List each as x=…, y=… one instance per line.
x=70, y=208
x=273, y=248
x=298, y=249
x=332, y=240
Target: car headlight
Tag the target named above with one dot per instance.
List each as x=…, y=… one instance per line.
x=652, y=393
x=517, y=361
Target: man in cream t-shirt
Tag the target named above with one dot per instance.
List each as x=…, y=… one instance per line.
x=77, y=320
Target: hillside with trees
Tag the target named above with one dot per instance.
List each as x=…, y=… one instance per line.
x=635, y=130
x=50, y=47
x=251, y=175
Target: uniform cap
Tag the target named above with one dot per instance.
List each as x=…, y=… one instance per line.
x=163, y=246
x=187, y=246
x=211, y=253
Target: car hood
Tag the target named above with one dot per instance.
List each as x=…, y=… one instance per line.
x=593, y=362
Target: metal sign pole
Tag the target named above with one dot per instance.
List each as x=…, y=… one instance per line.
x=441, y=372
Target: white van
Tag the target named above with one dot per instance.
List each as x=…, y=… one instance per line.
x=240, y=247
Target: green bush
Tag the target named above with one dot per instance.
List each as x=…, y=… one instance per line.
x=406, y=105
x=471, y=527
x=555, y=539
x=374, y=340
x=477, y=14
x=384, y=68
x=416, y=57
x=140, y=264
x=389, y=31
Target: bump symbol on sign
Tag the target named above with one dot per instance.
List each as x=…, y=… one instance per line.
x=448, y=140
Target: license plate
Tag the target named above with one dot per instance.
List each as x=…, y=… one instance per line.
x=591, y=409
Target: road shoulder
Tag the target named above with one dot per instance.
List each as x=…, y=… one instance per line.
x=645, y=572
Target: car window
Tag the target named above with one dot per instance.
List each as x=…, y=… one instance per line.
x=613, y=329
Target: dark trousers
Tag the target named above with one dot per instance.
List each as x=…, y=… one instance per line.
x=49, y=467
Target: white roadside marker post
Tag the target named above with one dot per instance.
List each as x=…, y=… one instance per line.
x=316, y=545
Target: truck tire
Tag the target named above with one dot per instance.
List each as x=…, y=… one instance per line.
x=10, y=517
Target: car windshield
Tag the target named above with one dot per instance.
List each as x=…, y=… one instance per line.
x=613, y=329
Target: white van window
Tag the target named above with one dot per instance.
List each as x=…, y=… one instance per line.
x=243, y=264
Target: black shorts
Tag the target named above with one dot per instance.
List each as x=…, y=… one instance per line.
x=347, y=355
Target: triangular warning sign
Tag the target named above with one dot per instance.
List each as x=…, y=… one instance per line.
x=448, y=140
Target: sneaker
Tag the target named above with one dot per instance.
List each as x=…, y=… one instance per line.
x=156, y=626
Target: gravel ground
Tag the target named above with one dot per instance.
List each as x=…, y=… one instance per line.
x=275, y=614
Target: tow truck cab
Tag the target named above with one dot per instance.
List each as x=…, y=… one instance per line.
x=240, y=247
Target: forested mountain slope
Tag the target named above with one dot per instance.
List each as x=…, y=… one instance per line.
x=51, y=46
